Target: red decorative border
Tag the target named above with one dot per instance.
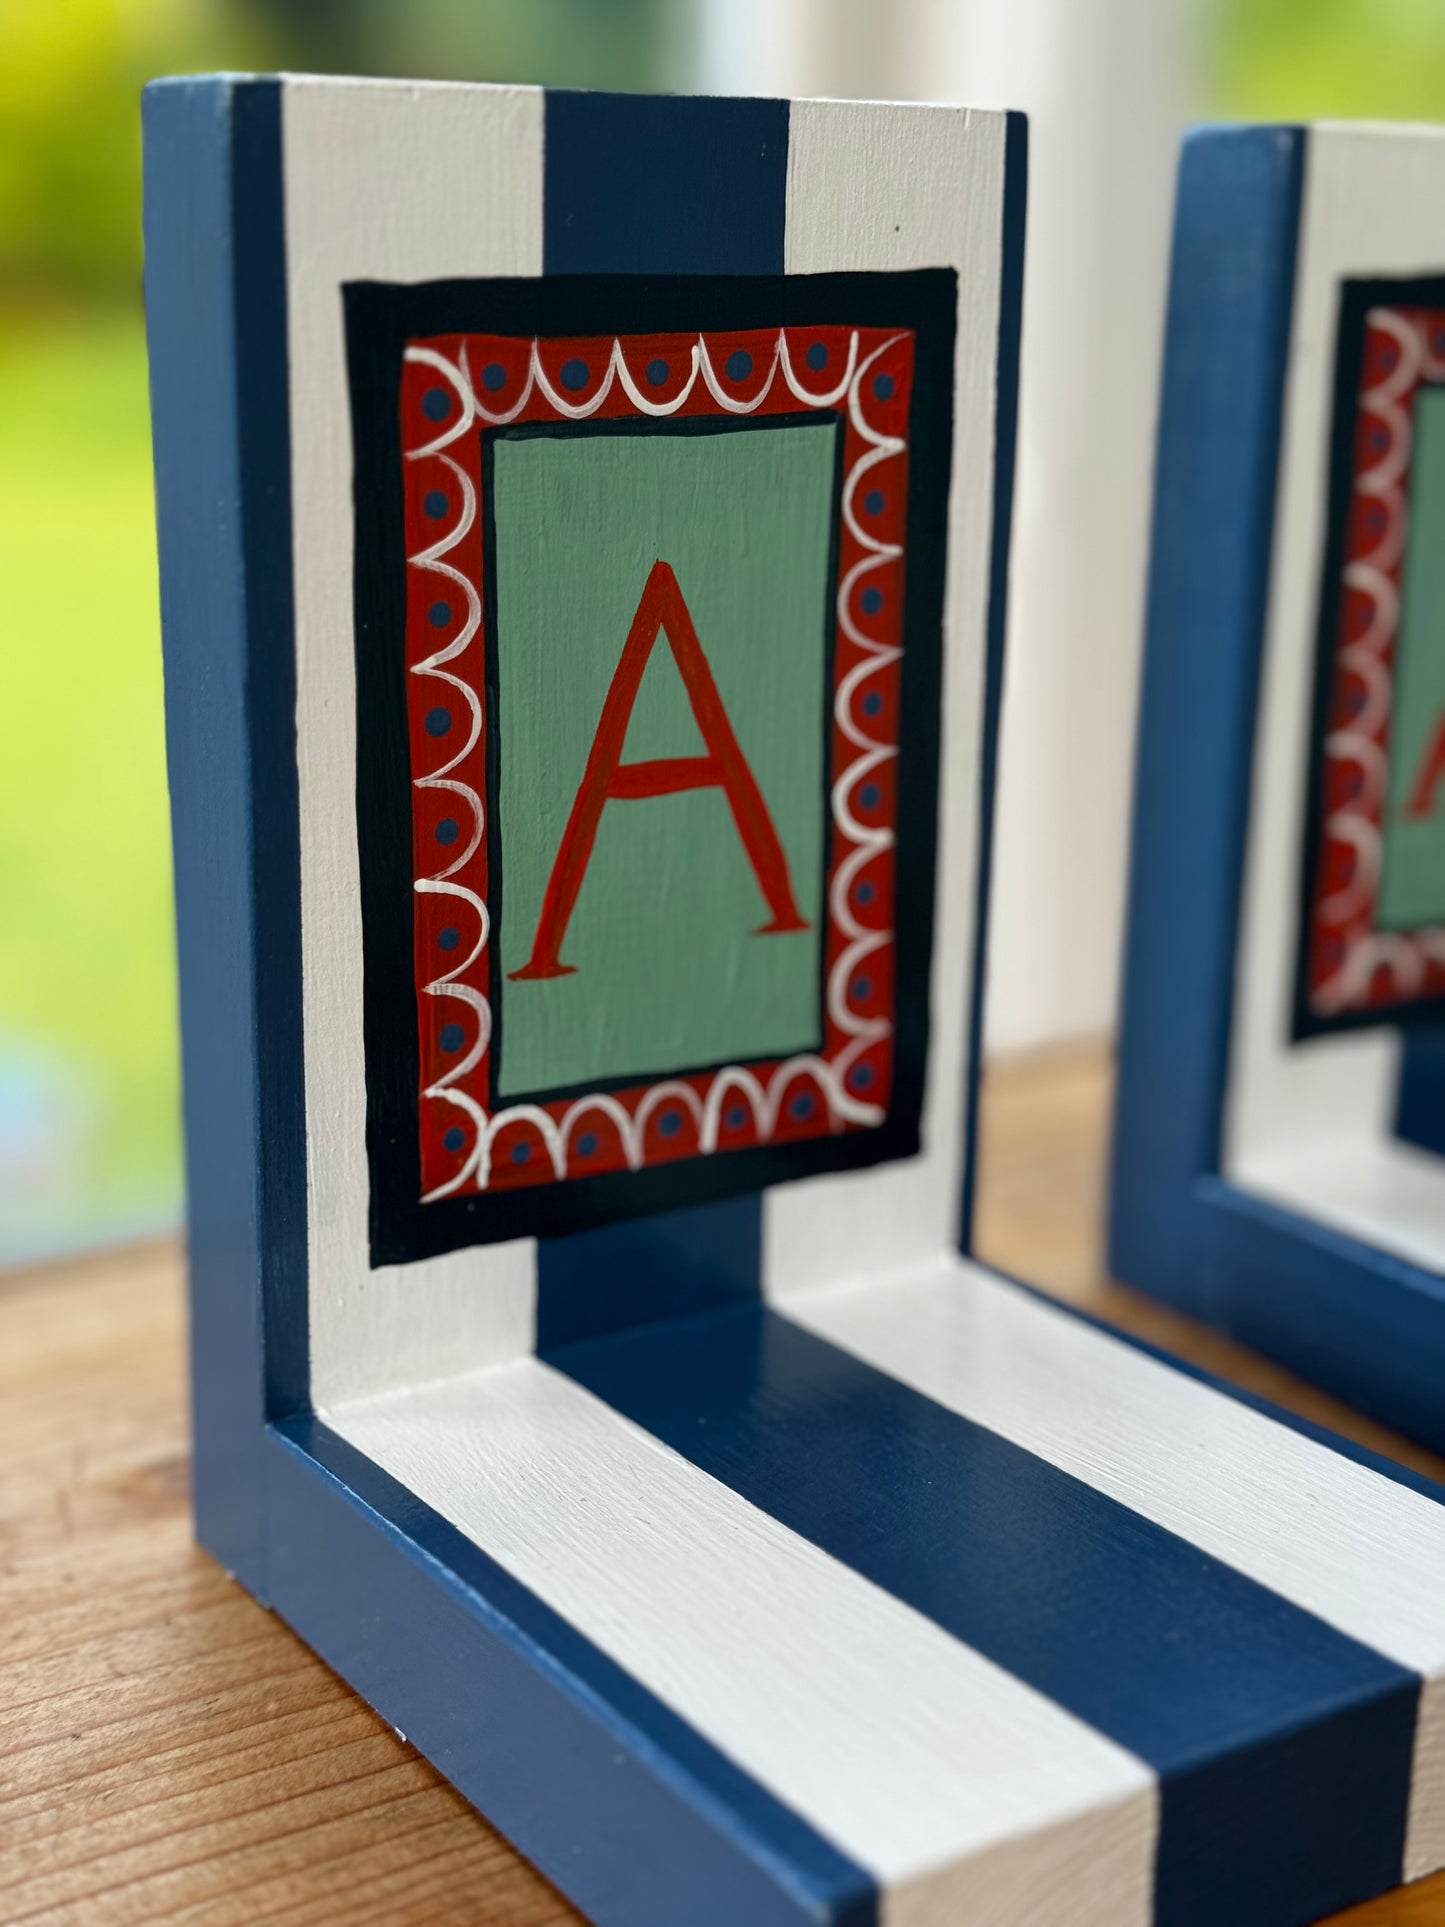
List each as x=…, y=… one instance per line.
x=1350, y=964
x=455, y=386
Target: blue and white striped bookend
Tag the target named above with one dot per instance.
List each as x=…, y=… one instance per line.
x=1281, y=1097
x=584, y=526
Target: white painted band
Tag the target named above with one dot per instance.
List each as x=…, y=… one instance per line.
x=1355, y=1548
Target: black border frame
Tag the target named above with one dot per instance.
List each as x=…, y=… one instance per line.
x=379, y=320
x=1357, y=298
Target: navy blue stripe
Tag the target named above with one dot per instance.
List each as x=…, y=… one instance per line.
x=215, y=302
x=263, y=416
x=673, y=1265
x=1367, y=1325
x=663, y=184
x=1420, y=1100
x=658, y=186
x=1230, y=301
x=1283, y=1747
x=1010, y=322
x=627, y=1807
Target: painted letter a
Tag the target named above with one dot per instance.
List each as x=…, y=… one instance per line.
x=607, y=777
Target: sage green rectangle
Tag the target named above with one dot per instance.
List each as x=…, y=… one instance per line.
x=1412, y=876
x=669, y=971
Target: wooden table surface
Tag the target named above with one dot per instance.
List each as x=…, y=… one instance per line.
x=169, y=1751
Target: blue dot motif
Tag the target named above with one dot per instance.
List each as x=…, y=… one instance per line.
x=448, y=830
x=452, y=1037
x=439, y=614
x=670, y=1123
x=873, y=501
x=657, y=372
x=862, y=988
x=883, y=387
x=434, y=504
x=871, y=601
x=802, y=1105
x=587, y=1144
x=455, y=1138
x=739, y=365
x=494, y=376
x=449, y=938
x=521, y=1153
x=817, y=356
x=860, y=1077
x=870, y=796
x=865, y=893
x=574, y=374
x=436, y=404
x=736, y=1117
x=438, y=721
x=872, y=703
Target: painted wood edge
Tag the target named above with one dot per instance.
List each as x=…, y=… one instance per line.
x=212, y=275
x=1226, y=345
x=1356, y=1321
x=630, y=1811
x=1010, y=330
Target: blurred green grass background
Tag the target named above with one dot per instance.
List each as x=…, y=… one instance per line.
x=89, y=1125
x=88, y=1058
x=90, y=1143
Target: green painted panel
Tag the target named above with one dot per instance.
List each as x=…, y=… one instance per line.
x=1412, y=879
x=668, y=969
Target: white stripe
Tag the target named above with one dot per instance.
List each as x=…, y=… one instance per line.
x=966, y=1793
x=877, y=187
x=1349, y=1545
x=383, y=182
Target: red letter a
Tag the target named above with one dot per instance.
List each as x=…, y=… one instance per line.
x=606, y=775
x=1422, y=798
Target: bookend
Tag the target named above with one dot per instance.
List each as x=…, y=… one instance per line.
x=1281, y=1097
x=583, y=531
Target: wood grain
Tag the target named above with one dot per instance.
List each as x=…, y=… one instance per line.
x=170, y=1752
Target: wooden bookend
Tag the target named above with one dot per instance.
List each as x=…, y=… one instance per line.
x=1284, y=994
x=584, y=528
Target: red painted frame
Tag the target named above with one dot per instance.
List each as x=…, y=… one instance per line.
x=453, y=389
x=1351, y=965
